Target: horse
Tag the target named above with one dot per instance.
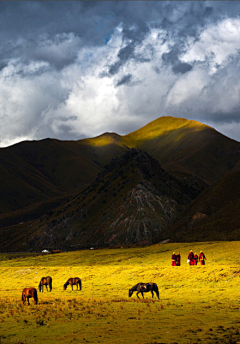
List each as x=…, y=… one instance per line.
x=144, y=288
x=73, y=281
x=29, y=292
x=45, y=281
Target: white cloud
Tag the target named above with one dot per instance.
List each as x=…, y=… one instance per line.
x=216, y=44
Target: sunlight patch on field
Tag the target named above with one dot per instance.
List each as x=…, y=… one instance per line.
x=197, y=304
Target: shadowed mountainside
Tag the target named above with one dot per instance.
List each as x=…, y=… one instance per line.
x=133, y=199
x=213, y=215
x=37, y=177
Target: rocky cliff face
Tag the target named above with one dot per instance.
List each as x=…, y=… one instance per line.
x=132, y=200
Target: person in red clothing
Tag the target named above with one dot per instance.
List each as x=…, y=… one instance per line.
x=173, y=259
x=202, y=258
x=195, y=259
x=191, y=258
x=178, y=259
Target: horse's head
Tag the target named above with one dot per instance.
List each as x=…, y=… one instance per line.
x=65, y=286
x=130, y=292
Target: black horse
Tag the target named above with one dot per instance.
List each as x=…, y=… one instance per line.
x=45, y=281
x=144, y=288
x=73, y=281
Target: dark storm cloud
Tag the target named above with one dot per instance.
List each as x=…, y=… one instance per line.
x=125, y=80
x=171, y=58
x=181, y=68
x=93, y=23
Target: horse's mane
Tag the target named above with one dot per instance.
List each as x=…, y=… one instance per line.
x=67, y=283
x=135, y=286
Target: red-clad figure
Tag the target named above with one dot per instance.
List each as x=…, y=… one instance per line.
x=178, y=259
x=195, y=259
x=191, y=258
x=202, y=258
x=173, y=259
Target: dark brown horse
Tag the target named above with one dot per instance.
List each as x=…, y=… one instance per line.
x=73, y=281
x=29, y=292
x=45, y=281
x=144, y=288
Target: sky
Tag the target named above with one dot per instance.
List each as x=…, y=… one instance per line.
x=76, y=69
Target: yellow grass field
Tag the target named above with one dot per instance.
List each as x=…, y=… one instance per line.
x=198, y=304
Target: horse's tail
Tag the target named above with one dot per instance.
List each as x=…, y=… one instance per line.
x=23, y=298
x=50, y=283
x=80, y=284
x=155, y=288
x=35, y=296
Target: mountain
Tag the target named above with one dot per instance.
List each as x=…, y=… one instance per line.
x=132, y=199
x=187, y=146
x=39, y=174
x=39, y=179
x=213, y=215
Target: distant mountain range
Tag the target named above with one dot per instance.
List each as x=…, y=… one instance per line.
x=172, y=179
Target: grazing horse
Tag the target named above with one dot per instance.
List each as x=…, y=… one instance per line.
x=73, y=281
x=29, y=292
x=45, y=281
x=144, y=288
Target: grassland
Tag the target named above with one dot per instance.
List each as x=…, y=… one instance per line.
x=198, y=304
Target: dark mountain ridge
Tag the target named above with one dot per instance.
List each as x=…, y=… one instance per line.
x=132, y=199
x=37, y=177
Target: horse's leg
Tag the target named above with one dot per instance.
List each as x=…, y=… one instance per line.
x=152, y=293
x=72, y=286
x=46, y=287
x=137, y=294
x=142, y=294
x=28, y=300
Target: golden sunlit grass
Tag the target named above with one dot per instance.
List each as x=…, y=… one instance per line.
x=198, y=304
x=167, y=124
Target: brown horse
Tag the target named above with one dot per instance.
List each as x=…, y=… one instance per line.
x=73, y=281
x=29, y=292
x=143, y=288
x=55, y=251
x=45, y=281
